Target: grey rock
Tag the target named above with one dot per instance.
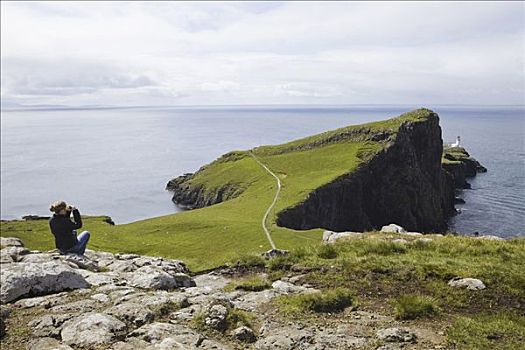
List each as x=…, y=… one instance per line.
x=46, y=301
x=244, y=334
x=156, y=332
x=131, y=344
x=101, y=297
x=396, y=334
x=91, y=330
x=155, y=278
x=491, y=238
x=400, y=241
x=393, y=228
x=47, y=344
x=5, y=311
x=133, y=313
x=101, y=278
x=48, y=325
x=81, y=262
x=2, y=328
x=274, y=253
x=289, y=288
x=12, y=254
x=285, y=338
x=215, y=317
x=332, y=237
x=24, y=279
x=468, y=283
x=79, y=306
x=10, y=242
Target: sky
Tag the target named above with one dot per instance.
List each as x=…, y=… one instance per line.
x=237, y=53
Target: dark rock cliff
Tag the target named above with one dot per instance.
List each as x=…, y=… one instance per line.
x=404, y=184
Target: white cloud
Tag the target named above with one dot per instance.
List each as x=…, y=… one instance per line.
x=233, y=53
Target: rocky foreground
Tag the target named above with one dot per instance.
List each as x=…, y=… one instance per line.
x=127, y=301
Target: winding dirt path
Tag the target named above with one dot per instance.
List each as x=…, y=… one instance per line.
x=265, y=217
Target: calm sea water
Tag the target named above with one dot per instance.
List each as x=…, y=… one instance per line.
x=117, y=162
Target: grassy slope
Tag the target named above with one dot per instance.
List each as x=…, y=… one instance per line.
x=210, y=236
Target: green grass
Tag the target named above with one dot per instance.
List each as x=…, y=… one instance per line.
x=411, y=307
x=502, y=331
x=329, y=300
x=251, y=283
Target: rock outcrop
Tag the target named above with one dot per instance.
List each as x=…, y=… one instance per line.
x=113, y=312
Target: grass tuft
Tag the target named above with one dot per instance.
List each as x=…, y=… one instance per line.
x=411, y=307
x=251, y=284
x=331, y=300
x=327, y=251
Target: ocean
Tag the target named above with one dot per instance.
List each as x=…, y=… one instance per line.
x=116, y=162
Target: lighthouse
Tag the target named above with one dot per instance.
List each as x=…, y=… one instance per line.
x=457, y=143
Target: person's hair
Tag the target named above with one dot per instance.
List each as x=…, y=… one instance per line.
x=58, y=206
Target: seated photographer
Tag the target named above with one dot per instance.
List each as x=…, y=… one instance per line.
x=63, y=228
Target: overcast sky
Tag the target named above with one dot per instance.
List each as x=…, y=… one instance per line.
x=117, y=53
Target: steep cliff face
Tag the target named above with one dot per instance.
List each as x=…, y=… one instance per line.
x=404, y=184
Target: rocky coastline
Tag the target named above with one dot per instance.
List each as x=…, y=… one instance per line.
x=413, y=181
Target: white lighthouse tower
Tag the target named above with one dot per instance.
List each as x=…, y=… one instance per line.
x=457, y=143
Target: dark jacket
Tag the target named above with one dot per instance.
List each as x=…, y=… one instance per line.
x=62, y=228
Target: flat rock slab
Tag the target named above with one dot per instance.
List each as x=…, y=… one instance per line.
x=91, y=330
x=47, y=344
x=396, y=335
x=10, y=242
x=25, y=279
x=157, y=332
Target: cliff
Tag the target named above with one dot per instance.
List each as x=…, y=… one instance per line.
x=397, y=176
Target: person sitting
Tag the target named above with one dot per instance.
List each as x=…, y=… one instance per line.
x=64, y=229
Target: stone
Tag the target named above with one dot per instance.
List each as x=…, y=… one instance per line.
x=289, y=288
x=12, y=254
x=491, y=238
x=48, y=325
x=215, y=317
x=400, y=241
x=155, y=278
x=156, y=332
x=274, y=253
x=424, y=240
x=4, y=312
x=285, y=338
x=396, y=334
x=101, y=297
x=92, y=330
x=24, y=279
x=136, y=314
x=393, y=228
x=101, y=278
x=10, y=242
x=244, y=334
x=45, y=301
x=131, y=344
x=81, y=262
x=468, y=283
x=47, y=344
x=79, y=306
x=331, y=236
x=2, y=328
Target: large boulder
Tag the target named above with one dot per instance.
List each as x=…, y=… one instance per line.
x=28, y=279
x=92, y=330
